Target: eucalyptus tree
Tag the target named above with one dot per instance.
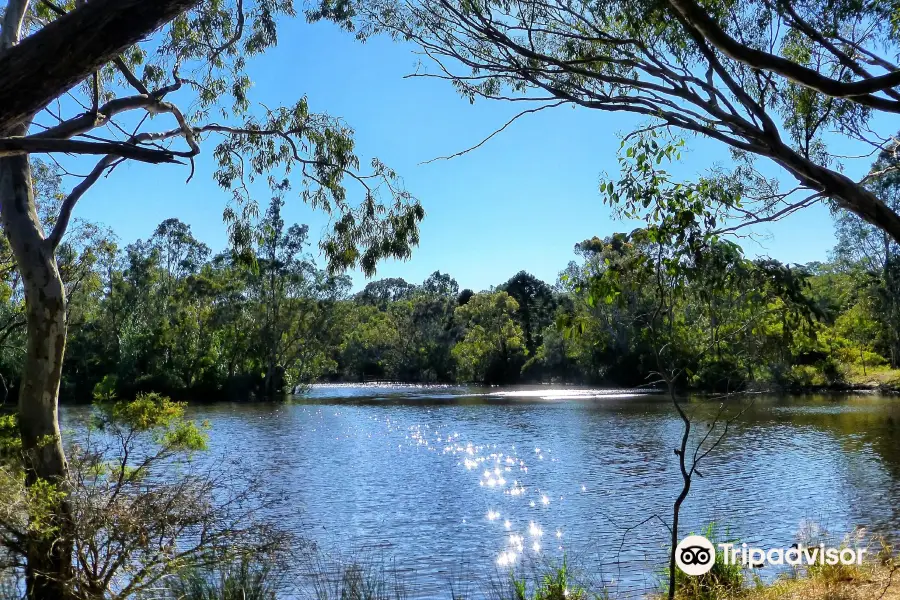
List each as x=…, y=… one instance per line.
x=787, y=81
x=536, y=306
x=492, y=349
x=382, y=292
x=440, y=284
x=860, y=244
x=64, y=55
x=292, y=297
x=120, y=96
x=680, y=270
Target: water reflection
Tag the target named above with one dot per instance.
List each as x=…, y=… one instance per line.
x=496, y=478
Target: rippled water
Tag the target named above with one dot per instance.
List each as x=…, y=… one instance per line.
x=453, y=483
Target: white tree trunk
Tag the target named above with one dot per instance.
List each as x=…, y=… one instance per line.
x=48, y=557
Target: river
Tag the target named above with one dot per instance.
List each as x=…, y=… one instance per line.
x=461, y=484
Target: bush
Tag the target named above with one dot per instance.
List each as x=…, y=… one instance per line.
x=135, y=522
x=720, y=375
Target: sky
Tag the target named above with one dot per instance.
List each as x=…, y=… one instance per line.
x=521, y=201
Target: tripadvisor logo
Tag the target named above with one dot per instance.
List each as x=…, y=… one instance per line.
x=696, y=555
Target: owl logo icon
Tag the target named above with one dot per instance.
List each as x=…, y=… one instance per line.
x=695, y=555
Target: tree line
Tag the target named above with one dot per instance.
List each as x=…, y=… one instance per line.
x=168, y=315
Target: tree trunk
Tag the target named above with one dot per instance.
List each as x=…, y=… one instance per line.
x=49, y=554
x=685, y=488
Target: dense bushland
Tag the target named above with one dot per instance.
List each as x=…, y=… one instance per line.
x=166, y=314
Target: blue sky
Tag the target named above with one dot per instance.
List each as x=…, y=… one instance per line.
x=521, y=201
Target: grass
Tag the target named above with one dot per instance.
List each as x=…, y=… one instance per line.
x=871, y=581
x=866, y=582
x=882, y=376
x=370, y=577
x=360, y=576
x=554, y=583
x=875, y=579
x=245, y=579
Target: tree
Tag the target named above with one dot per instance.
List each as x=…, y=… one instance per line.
x=857, y=325
x=440, y=284
x=429, y=330
x=536, y=306
x=137, y=525
x=290, y=294
x=492, y=349
x=369, y=346
x=384, y=291
x=683, y=270
x=861, y=244
x=767, y=78
x=202, y=55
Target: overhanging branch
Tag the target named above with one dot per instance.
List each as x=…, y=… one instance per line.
x=859, y=91
x=72, y=47
x=14, y=146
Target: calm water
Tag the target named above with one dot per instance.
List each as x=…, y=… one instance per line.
x=452, y=483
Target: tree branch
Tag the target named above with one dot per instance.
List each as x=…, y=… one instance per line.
x=859, y=91
x=65, y=211
x=14, y=146
x=63, y=54
x=239, y=31
x=91, y=120
x=13, y=17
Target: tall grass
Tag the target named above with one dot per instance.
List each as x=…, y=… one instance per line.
x=365, y=576
x=553, y=581
x=371, y=577
x=243, y=579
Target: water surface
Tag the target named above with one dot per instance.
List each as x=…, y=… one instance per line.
x=459, y=483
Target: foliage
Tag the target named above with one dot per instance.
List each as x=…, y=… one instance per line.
x=554, y=585
x=493, y=346
x=536, y=306
x=360, y=576
x=10, y=443
x=787, y=82
x=134, y=528
x=551, y=581
x=166, y=314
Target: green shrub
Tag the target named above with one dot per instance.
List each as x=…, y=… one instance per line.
x=10, y=442
x=105, y=390
x=868, y=358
